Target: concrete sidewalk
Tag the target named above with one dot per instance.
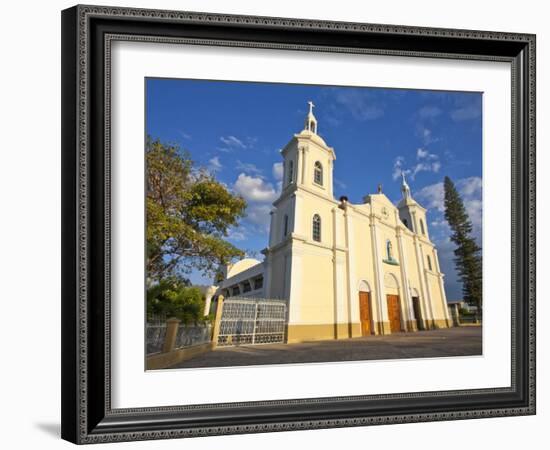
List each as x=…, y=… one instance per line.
x=460, y=341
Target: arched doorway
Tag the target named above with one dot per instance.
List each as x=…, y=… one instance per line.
x=365, y=309
x=415, y=297
x=394, y=304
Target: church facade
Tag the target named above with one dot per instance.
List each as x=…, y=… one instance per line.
x=346, y=270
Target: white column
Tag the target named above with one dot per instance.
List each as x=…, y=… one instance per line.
x=272, y=227
x=330, y=187
x=296, y=214
x=426, y=316
x=251, y=282
x=335, y=269
x=293, y=282
x=442, y=287
x=353, y=306
x=413, y=220
x=304, y=164
x=267, y=275
x=428, y=288
x=381, y=303
x=208, y=299
x=297, y=166
x=407, y=300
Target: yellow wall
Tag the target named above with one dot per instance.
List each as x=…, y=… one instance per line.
x=322, y=279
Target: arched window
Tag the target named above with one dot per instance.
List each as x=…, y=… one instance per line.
x=389, y=250
x=429, y=261
x=312, y=126
x=406, y=223
x=290, y=171
x=285, y=226
x=316, y=228
x=318, y=173
x=422, y=227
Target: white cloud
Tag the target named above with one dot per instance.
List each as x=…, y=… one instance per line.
x=469, y=186
x=232, y=141
x=439, y=223
x=340, y=184
x=422, y=153
x=429, y=112
x=466, y=113
x=432, y=196
x=259, y=214
x=247, y=167
x=254, y=189
x=237, y=235
x=278, y=170
x=475, y=211
x=398, y=167
x=470, y=190
x=425, y=134
x=360, y=104
x=214, y=164
x=425, y=162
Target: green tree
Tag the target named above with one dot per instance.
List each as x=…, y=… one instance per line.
x=172, y=297
x=467, y=252
x=188, y=216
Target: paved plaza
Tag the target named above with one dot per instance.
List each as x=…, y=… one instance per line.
x=458, y=341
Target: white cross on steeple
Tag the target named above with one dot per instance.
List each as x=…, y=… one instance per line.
x=405, y=187
x=311, y=121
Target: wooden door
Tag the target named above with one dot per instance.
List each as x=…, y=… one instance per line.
x=417, y=313
x=394, y=313
x=365, y=313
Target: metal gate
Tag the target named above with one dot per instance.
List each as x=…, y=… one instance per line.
x=252, y=321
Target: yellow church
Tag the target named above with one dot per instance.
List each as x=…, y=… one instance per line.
x=345, y=270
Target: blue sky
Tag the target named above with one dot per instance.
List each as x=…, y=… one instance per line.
x=236, y=130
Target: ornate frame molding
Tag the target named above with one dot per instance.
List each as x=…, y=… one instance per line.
x=86, y=214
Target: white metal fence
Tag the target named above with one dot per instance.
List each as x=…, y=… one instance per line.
x=252, y=321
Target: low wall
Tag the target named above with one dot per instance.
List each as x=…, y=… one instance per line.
x=167, y=360
x=181, y=336
x=170, y=342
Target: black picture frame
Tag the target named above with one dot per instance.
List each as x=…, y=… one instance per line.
x=87, y=416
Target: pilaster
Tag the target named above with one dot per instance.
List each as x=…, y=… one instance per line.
x=353, y=306
x=304, y=164
x=272, y=229
x=407, y=300
x=427, y=317
x=442, y=289
x=381, y=303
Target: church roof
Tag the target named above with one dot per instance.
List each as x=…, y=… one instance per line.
x=314, y=137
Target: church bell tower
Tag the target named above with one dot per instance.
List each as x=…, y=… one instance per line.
x=307, y=178
x=411, y=213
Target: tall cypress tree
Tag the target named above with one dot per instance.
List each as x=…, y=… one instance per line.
x=467, y=252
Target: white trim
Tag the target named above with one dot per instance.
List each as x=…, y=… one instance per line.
x=407, y=300
x=353, y=307
x=362, y=282
x=381, y=304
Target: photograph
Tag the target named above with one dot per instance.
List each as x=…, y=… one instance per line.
x=281, y=221
x=299, y=223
